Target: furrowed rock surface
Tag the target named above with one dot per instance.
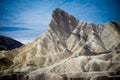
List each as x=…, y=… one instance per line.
x=71, y=49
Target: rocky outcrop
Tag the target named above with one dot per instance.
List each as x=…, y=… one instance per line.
x=71, y=49
x=7, y=43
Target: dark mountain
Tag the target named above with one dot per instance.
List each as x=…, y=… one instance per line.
x=7, y=43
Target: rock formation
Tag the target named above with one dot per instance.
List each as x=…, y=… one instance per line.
x=70, y=49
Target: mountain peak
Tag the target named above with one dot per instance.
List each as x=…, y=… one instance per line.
x=58, y=10
x=62, y=22
x=60, y=13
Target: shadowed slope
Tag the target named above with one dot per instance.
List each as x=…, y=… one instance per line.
x=7, y=43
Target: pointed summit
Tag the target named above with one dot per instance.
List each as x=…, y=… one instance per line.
x=58, y=10
x=62, y=23
x=60, y=14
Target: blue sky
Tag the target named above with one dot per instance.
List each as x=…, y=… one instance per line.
x=36, y=14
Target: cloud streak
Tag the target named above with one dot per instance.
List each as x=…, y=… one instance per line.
x=13, y=29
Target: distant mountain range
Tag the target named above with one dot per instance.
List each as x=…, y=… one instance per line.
x=70, y=49
x=7, y=43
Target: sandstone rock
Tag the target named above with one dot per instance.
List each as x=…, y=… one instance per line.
x=71, y=49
